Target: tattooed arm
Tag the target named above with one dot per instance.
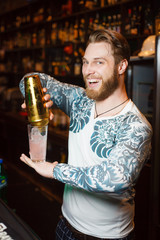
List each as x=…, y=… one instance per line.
x=62, y=94
x=121, y=167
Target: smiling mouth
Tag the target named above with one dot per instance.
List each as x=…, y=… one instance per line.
x=93, y=82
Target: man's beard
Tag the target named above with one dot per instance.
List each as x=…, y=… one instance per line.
x=106, y=89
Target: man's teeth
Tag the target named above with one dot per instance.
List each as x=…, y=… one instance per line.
x=93, y=81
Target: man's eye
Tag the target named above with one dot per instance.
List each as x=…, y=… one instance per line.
x=99, y=62
x=84, y=62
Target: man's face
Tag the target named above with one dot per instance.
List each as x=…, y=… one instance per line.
x=99, y=71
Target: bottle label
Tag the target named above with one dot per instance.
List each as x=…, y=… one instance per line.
x=3, y=181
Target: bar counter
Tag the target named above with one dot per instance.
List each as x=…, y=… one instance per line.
x=12, y=227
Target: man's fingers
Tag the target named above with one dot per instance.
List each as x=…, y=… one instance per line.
x=47, y=97
x=27, y=160
x=49, y=104
x=44, y=90
x=23, y=105
x=51, y=115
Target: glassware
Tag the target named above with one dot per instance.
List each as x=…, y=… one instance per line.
x=37, y=142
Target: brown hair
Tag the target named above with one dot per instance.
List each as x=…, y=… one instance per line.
x=119, y=44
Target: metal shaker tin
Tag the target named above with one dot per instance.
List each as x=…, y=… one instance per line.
x=38, y=114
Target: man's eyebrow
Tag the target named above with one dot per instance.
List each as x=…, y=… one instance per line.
x=100, y=58
x=96, y=58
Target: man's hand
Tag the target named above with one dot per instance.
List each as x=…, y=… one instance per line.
x=45, y=169
x=48, y=103
x=47, y=97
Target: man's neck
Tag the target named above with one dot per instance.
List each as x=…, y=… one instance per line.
x=116, y=102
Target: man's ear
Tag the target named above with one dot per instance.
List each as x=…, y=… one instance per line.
x=122, y=66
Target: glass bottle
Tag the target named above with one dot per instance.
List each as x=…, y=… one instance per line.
x=157, y=23
x=3, y=182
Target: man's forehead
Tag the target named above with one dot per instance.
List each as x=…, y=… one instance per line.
x=98, y=50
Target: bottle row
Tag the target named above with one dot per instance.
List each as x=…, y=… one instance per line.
x=61, y=33
x=77, y=31
x=60, y=61
x=51, y=12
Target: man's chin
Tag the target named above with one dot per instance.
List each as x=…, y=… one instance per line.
x=98, y=95
x=93, y=94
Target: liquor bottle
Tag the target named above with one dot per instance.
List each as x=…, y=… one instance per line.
x=3, y=182
x=71, y=33
x=157, y=23
x=139, y=19
x=89, y=4
x=76, y=31
x=104, y=22
x=34, y=39
x=148, y=22
x=114, y=23
x=77, y=64
x=108, y=25
x=96, y=3
x=2, y=27
x=66, y=31
x=96, y=23
x=82, y=31
x=128, y=22
x=54, y=33
x=41, y=37
x=119, y=23
x=103, y=3
x=90, y=26
x=80, y=5
x=62, y=35
x=49, y=15
x=134, y=29
x=67, y=8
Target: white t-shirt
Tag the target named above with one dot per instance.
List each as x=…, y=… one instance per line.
x=106, y=156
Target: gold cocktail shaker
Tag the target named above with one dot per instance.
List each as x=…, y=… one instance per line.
x=38, y=114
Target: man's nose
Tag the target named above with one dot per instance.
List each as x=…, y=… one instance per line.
x=89, y=69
